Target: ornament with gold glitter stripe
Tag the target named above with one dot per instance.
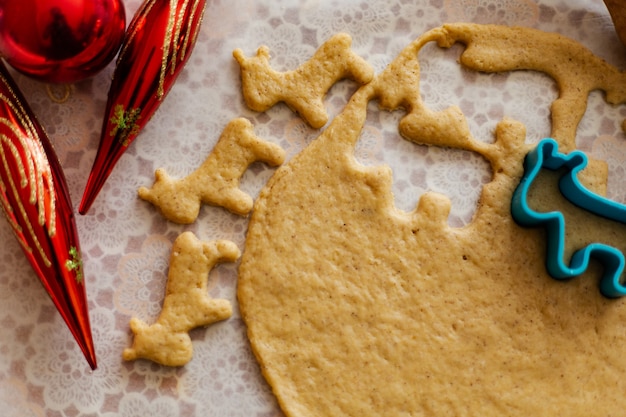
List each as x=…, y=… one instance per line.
x=158, y=43
x=36, y=202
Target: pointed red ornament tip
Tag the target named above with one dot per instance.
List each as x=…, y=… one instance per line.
x=36, y=203
x=158, y=43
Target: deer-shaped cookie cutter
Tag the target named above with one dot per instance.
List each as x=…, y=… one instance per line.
x=547, y=155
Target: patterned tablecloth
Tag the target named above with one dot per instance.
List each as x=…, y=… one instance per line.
x=126, y=243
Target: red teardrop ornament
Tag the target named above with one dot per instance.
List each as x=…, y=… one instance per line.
x=158, y=43
x=36, y=202
x=60, y=40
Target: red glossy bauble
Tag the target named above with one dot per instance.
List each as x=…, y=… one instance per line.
x=61, y=41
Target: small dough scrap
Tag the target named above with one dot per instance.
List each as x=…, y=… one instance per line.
x=216, y=181
x=187, y=304
x=303, y=89
x=576, y=70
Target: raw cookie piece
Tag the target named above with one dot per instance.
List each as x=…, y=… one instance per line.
x=187, y=304
x=303, y=89
x=356, y=308
x=216, y=181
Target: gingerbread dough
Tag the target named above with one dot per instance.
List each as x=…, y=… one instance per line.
x=356, y=308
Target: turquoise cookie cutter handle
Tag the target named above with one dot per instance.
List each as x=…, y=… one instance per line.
x=547, y=155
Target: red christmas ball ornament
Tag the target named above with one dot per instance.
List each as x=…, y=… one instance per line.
x=60, y=41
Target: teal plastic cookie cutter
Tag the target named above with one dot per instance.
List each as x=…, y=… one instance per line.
x=546, y=155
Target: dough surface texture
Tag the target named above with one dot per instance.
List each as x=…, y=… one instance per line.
x=357, y=308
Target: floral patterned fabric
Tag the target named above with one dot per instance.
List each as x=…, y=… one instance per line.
x=126, y=243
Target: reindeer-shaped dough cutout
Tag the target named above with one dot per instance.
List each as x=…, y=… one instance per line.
x=304, y=88
x=216, y=181
x=187, y=304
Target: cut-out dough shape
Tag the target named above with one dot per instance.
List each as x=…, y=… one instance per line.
x=187, y=304
x=304, y=88
x=216, y=181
